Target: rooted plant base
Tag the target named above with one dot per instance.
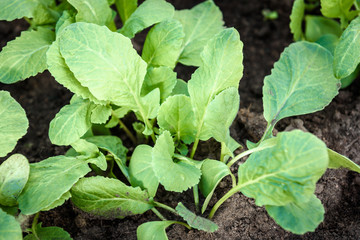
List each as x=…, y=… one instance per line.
x=239, y=218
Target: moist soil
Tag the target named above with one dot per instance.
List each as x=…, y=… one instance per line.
x=238, y=218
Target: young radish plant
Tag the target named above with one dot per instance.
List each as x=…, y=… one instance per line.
x=110, y=79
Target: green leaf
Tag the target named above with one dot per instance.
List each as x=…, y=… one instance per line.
x=317, y=26
x=194, y=221
x=71, y=123
x=9, y=227
x=100, y=114
x=92, y=11
x=62, y=74
x=335, y=8
x=112, y=144
x=200, y=24
x=286, y=172
x=180, y=88
x=125, y=8
x=14, y=174
x=90, y=153
x=25, y=56
x=45, y=233
x=163, y=78
x=121, y=66
x=176, y=116
x=148, y=13
x=163, y=44
x=153, y=230
x=43, y=15
x=174, y=176
x=109, y=197
x=298, y=217
x=14, y=9
x=296, y=19
x=58, y=202
x=347, y=52
x=301, y=82
x=140, y=170
x=212, y=173
x=336, y=161
x=49, y=180
x=328, y=41
x=65, y=20
x=222, y=68
x=13, y=123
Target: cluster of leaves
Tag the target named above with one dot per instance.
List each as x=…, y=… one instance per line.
x=77, y=41
x=337, y=30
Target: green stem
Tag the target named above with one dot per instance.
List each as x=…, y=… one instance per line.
x=160, y=205
x=193, y=150
x=222, y=154
x=33, y=226
x=221, y=201
x=127, y=131
x=184, y=224
x=111, y=174
x=196, y=197
x=157, y=213
x=233, y=179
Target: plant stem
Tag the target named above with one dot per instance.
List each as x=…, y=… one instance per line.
x=157, y=213
x=222, y=154
x=33, y=226
x=221, y=201
x=196, y=197
x=193, y=150
x=127, y=131
x=233, y=179
x=184, y=224
x=160, y=205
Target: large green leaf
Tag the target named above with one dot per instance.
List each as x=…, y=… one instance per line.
x=100, y=114
x=9, y=227
x=163, y=44
x=222, y=68
x=174, y=176
x=200, y=24
x=286, y=172
x=14, y=9
x=213, y=172
x=301, y=82
x=25, y=56
x=125, y=8
x=92, y=11
x=115, y=60
x=45, y=233
x=176, y=116
x=296, y=19
x=153, y=230
x=337, y=161
x=109, y=197
x=13, y=123
x=140, y=170
x=336, y=8
x=298, y=217
x=147, y=14
x=71, y=123
x=318, y=26
x=347, y=52
x=49, y=180
x=194, y=221
x=58, y=202
x=14, y=174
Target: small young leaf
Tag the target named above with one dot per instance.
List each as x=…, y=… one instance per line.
x=49, y=180
x=109, y=197
x=65, y=20
x=153, y=230
x=48, y=233
x=200, y=24
x=112, y=144
x=14, y=174
x=317, y=26
x=298, y=217
x=71, y=123
x=347, y=52
x=147, y=14
x=92, y=11
x=90, y=153
x=25, y=56
x=174, y=176
x=337, y=161
x=13, y=123
x=176, y=116
x=163, y=78
x=286, y=172
x=9, y=227
x=58, y=202
x=140, y=170
x=163, y=44
x=296, y=19
x=335, y=8
x=125, y=8
x=15, y=9
x=194, y=221
x=301, y=82
x=212, y=173
x=100, y=114
x=180, y=88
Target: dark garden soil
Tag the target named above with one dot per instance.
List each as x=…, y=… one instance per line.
x=238, y=218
